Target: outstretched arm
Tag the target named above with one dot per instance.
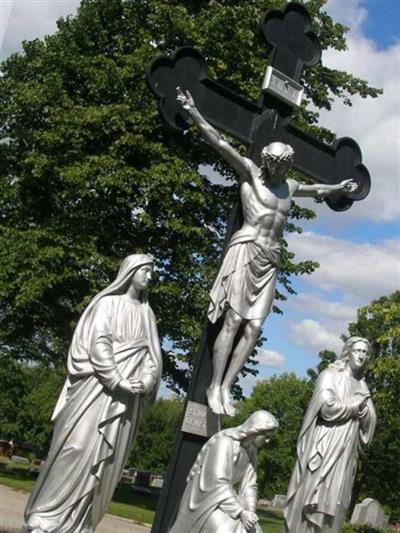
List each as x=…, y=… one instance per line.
x=320, y=190
x=212, y=136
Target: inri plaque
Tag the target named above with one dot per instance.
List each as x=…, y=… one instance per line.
x=283, y=87
x=200, y=420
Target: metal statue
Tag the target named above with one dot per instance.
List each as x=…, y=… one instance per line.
x=245, y=286
x=114, y=370
x=221, y=489
x=340, y=418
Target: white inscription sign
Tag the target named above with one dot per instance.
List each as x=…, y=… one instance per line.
x=199, y=420
x=282, y=87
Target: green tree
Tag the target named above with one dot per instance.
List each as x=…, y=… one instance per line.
x=36, y=407
x=27, y=399
x=13, y=389
x=90, y=174
x=380, y=323
x=156, y=436
x=286, y=397
x=326, y=358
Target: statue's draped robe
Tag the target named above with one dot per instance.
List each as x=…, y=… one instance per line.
x=247, y=278
x=319, y=493
x=95, y=424
x=221, y=483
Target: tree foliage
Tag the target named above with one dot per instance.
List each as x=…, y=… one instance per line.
x=326, y=358
x=90, y=174
x=380, y=323
x=27, y=399
x=156, y=436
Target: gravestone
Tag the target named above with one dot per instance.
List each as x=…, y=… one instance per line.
x=142, y=479
x=369, y=512
x=292, y=47
x=264, y=503
x=279, y=501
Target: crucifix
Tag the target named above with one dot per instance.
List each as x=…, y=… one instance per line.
x=262, y=126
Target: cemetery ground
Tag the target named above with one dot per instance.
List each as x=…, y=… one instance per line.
x=136, y=507
x=127, y=502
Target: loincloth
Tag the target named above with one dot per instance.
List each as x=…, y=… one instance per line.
x=246, y=281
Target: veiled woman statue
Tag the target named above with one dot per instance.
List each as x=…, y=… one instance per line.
x=340, y=418
x=114, y=369
x=221, y=489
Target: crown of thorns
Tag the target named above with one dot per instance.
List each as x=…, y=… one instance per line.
x=286, y=153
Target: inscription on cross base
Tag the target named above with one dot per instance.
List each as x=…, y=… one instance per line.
x=293, y=47
x=199, y=420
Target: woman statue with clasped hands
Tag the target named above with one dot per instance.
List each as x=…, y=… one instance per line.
x=114, y=370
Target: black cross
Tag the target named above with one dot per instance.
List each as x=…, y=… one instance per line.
x=292, y=47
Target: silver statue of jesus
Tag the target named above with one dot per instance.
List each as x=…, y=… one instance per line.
x=245, y=286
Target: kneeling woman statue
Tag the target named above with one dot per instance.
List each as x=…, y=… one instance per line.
x=221, y=488
x=114, y=370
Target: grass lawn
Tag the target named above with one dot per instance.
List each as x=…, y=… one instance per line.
x=137, y=506
x=270, y=521
x=20, y=480
x=128, y=503
x=141, y=508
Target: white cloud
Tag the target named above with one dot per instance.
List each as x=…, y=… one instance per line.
x=351, y=13
x=30, y=19
x=361, y=272
x=314, y=336
x=271, y=359
x=5, y=11
x=334, y=315
x=373, y=123
x=213, y=175
x=321, y=322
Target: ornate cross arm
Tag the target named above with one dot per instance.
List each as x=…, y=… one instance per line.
x=293, y=46
x=223, y=108
x=331, y=164
x=253, y=125
x=325, y=163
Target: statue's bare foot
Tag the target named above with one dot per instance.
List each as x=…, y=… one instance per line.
x=214, y=400
x=227, y=402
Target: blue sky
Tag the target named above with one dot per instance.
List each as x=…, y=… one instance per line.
x=383, y=21
x=358, y=250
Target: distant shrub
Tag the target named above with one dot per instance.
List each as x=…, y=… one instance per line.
x=350, y=528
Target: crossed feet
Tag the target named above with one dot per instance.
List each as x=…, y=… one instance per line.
x=220, y=401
